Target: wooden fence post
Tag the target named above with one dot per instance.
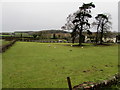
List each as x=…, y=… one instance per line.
x=69, y=83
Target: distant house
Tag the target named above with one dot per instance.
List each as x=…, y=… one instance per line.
x=112, y=38
x=118, y=38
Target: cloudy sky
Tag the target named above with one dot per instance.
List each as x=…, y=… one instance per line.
x=32, y=15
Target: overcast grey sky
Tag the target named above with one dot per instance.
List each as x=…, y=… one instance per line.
x=32, y=16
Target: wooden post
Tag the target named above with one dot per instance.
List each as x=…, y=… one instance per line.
x=69, y=83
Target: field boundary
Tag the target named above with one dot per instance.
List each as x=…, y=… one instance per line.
x=7, y=46
x=98, y=86
x=45, y=41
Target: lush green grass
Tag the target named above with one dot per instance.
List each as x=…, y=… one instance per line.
x=6, y=35
x=38, y=65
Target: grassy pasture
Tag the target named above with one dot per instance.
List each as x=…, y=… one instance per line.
x=45, y=65
x=6, y=35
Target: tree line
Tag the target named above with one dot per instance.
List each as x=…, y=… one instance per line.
x=79, y=22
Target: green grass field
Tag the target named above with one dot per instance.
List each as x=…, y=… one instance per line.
x=6, y=35
x=45, y=65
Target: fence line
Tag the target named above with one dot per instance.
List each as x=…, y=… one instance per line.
x=99, y=86
x=7, y=46
x=43, y=41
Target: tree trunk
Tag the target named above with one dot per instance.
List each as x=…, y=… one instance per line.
x=97, y=33
x=80, y=38
x=73, y=39
x=101, y=42
x=96, y=40
x=97, y=37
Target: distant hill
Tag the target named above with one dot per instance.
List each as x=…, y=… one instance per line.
x=44, y=34
x=43, y=31
x=53, y=31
